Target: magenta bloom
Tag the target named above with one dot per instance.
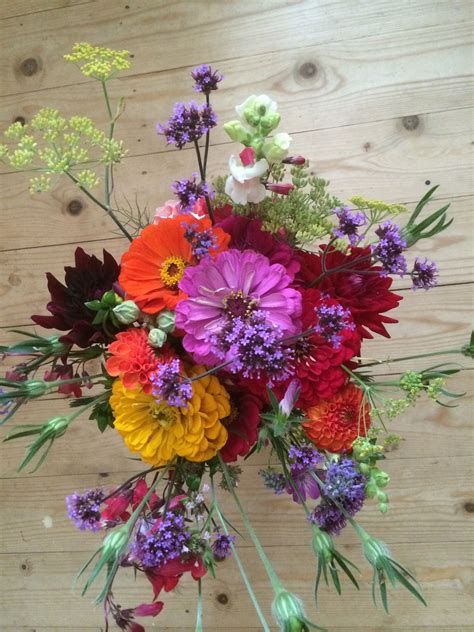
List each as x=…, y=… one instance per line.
x=234, y=285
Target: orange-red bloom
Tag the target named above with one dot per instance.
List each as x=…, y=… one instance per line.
x=335, y=423
x=133, y=359
x=155, y=262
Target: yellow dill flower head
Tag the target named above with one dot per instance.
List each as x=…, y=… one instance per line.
x=98, y=62
x=159, y=432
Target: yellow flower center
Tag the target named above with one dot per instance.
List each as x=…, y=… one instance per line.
x=172, y=269
x=164, y=414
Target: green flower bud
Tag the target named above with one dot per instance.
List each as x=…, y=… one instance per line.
x=375, y=551
x=57, y=426
x=126, y=312
x=381, y=478
x=277, y=148
x=237, y=132
x=56, y=347
x=157, y=338
x=288, y=611
x=111, y=299
x=322, y=544
x=166, y=321
x=115, y=542
x=36, y=388
x=269, y=122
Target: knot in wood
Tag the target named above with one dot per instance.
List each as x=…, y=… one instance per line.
x=308, y=70
x=75, y=207
x=29, y=67
x=411, y=122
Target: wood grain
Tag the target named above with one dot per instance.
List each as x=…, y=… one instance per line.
x=377, y=95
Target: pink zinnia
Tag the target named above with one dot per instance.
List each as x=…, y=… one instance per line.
x=234, y=285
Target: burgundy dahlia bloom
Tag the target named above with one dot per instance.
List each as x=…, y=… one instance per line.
x=367, y=295
x=234, y=285
x=247, y=234
x=242, y=424
x=88, y=280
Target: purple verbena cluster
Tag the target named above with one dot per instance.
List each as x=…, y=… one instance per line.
x=329, y=518
x=389, y=249
x=255, y=347
x=273, y=480
x=332, y=319
x=170, y=386
x=206, y=79
x=349, y=223
x=222, y=545
x=201, y=241
x=162, y=544
x=304, y=462
x=188, y=192
x=187, y=124
x=424, y=274
x=84, y=509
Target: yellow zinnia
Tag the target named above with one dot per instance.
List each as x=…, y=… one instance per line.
x=159, y=432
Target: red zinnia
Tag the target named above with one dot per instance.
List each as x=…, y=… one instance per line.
x=133, y=359
x=242, y=425
x=367, y=296
x=317, y=362
x=334, y=424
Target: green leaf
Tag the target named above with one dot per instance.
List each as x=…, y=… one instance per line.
x=95, y=305
x=102, y=414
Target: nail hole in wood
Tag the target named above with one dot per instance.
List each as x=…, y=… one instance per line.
x=308, y=70
x=103, y=474
x=367, y=146
x=222, y=598
x=410, y=122
x=469, y=506
x=75, y=207
x=29, y=67
x=427, y=182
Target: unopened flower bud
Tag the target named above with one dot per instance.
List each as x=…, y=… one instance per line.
x=269, y=122
x=294, y=160
x=115, y=542
x=281, y=189
x=56, y=426
x=288, y=611
x=36, y=388
x=322, y=544
x=277, y=148
x=237, y=132
x=375, y=551
x=166, y=321
x=381, y=478
x=157, y=338
x=126, y=312
x=56, y=347
x=111, y=299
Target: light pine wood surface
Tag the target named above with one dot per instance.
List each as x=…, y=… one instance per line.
x=378, y=95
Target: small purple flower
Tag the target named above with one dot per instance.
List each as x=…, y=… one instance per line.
x=255, y=347
x=305, y=460
x=332, y=319
x=349, y=222
x=189, y=192
x=84, y=509
x=345, y=485
x=187, y=124
x=329, y=518
x=273, y=480
x=424, y=274
x=206, y=79
x=222, y=545
x=389, y=249
x=201, y=241
x=163, y=543
x=170, y=386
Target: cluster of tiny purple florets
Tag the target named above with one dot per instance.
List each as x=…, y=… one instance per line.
x=188, y=192
x=424, y=274
x=170, y=386
x=162, y=544
x=255, y=347
x=389, y=248
x=273, y=480
x=206, y=79
x=222, y=546
x=343, y=485
x=304, y=461
x=188, y=123
x=349, y=223
x=332, y=319
x=84, y=509
x=201, y=241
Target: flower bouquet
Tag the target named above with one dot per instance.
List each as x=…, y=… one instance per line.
x=233, y=324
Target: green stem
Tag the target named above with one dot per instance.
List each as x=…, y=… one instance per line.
x=412, y=357
x=236, y=557
x=108, y=168
x=199, y=608
x=202, y=173
x=273, y=577
x=107, y=209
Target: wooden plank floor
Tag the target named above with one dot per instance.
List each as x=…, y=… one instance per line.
x=378, y=95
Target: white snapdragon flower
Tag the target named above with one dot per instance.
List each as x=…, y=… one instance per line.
x=243, y=185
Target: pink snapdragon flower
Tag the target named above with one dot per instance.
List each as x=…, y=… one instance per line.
x=244, y=183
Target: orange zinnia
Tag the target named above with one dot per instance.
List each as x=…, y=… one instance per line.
x=334, y=424
x=152, y=267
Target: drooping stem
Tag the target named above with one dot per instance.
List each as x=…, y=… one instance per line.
x=243, y=574
x=273, y=577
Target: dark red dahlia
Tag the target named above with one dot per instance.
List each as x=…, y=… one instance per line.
x=247, y=233
x=317, y=361
x=242, y=424
x=88, y=280
x=366, y=294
